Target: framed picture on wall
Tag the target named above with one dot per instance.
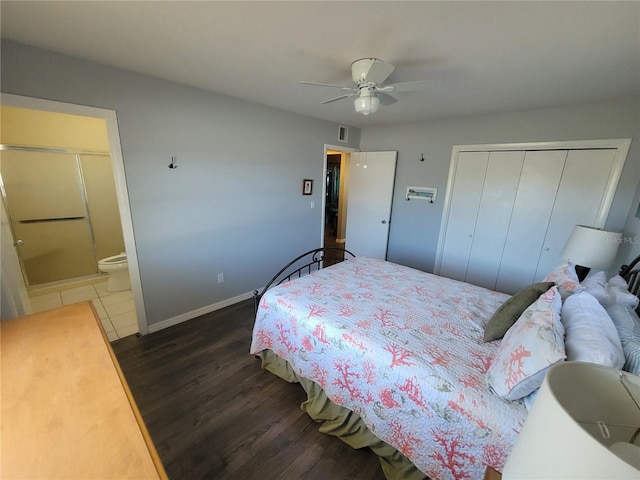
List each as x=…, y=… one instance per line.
x=307, y=186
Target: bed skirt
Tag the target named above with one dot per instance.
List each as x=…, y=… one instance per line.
x=342, y=422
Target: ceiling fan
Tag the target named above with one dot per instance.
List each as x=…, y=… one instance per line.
x=368, y=75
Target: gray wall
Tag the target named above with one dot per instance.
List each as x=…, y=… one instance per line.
x=415, y=225
x=234, y=203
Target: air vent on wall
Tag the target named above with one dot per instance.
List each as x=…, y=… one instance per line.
x=343, y=133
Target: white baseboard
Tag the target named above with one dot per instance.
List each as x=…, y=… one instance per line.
x=170, y=322
x=341, y=240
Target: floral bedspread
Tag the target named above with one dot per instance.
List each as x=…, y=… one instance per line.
x=404, y=350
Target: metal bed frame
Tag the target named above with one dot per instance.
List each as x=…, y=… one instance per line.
x=303, y=264
x=632, y=276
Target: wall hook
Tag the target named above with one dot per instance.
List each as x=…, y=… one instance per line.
x=422, y=157
x=173, y=162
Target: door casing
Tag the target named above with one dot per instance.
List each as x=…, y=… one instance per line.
x=122, y=194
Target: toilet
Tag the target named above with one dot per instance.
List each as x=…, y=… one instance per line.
x=118, y=269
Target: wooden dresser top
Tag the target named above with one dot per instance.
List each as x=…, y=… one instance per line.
x=66, y=409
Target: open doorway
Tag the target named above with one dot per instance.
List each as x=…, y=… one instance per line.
x=335, y=199
x=117, y=165
x=332, y=198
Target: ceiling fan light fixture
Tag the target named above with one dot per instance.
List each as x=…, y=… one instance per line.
x=367, y=104
x=368, y=75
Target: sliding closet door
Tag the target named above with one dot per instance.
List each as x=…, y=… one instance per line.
x=541, y=173
x=463, y=211
x=494, y=215
x=511, y=211
x=585, y=177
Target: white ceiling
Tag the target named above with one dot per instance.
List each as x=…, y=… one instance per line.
x=482, y=57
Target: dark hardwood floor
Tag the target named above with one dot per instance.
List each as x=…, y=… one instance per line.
x=213, y=413
x=332, y=257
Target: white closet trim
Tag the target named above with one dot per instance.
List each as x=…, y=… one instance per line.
x=565, y=145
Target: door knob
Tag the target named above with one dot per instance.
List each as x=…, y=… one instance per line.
x=18, y=243
x=384, y=221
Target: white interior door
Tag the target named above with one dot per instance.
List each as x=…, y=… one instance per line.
x=371, y=179
x=14, y=298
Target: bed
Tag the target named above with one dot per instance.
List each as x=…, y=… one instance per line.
x=393, y=359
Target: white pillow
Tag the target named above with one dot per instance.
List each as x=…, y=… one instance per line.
x=596, y=277
x=565, y=278
x=618, y=281
x=628, y=326
x=529, y=399
x=596, y=285
x=590, y=335
x=529, y=348
x=619, y=293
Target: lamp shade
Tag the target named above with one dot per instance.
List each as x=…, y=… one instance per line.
x=582, y=425
x=367, y=104
x=591, y=247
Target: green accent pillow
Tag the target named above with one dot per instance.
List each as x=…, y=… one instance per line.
x=510, y=311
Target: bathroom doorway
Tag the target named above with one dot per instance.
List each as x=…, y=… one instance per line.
x=115, y=167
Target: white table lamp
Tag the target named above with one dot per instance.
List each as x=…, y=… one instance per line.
x=591, y=247
x=584, y=424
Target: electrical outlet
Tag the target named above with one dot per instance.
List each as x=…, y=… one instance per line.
x=220, y=277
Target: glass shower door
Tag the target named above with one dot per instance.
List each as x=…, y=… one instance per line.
x=46, y=203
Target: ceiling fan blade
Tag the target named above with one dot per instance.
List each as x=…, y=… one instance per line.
x=407, y=86
x=325, y=85
x=386, y=99
x=379, y=72
x=353, y=94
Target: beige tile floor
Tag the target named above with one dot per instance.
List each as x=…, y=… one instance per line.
x=116, y=310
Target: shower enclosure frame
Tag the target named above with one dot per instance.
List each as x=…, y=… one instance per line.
x=85, y=201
